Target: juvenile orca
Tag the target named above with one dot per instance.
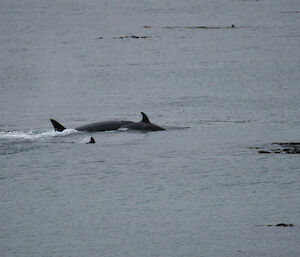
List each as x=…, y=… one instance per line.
x=144, y=124
x=92, y=127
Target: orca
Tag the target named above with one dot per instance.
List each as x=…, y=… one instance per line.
x=93, y=127
x=144, y=125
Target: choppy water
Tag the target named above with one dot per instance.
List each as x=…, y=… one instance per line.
x=197, y=189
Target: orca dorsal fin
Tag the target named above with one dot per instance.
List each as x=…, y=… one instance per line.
x=145, y=118
x=57, y=126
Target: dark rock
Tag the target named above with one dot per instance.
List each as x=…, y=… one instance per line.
x=278, y=225
x=133, y=36
x=284, y=225
x=284, y=148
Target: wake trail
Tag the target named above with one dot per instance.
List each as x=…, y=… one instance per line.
x=35, y=135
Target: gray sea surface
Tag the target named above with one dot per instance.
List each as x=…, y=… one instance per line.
x=199, y=188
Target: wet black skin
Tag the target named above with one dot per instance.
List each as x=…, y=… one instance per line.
x=93, y=127
x=144, y=125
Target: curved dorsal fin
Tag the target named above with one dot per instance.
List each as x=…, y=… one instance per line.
x=145, y=118
x=57, y=126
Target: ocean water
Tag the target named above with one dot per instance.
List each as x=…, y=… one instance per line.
x=199, y=188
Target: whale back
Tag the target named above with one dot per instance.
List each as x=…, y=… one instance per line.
x=104, y=125
x=144, y=125
x=92, y=127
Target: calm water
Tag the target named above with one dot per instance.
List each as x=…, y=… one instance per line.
x=196, y=189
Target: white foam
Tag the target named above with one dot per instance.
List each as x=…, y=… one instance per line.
x=123, y=129
x=34, y=135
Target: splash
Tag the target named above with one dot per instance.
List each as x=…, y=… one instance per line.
x=35, y=135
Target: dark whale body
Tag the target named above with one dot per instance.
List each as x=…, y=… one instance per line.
x=144, y=125
x=93, y=127
x=104, y=125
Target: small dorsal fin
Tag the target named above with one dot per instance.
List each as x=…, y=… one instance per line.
x=92, y=141
x=57, y=126
x=145, y=118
